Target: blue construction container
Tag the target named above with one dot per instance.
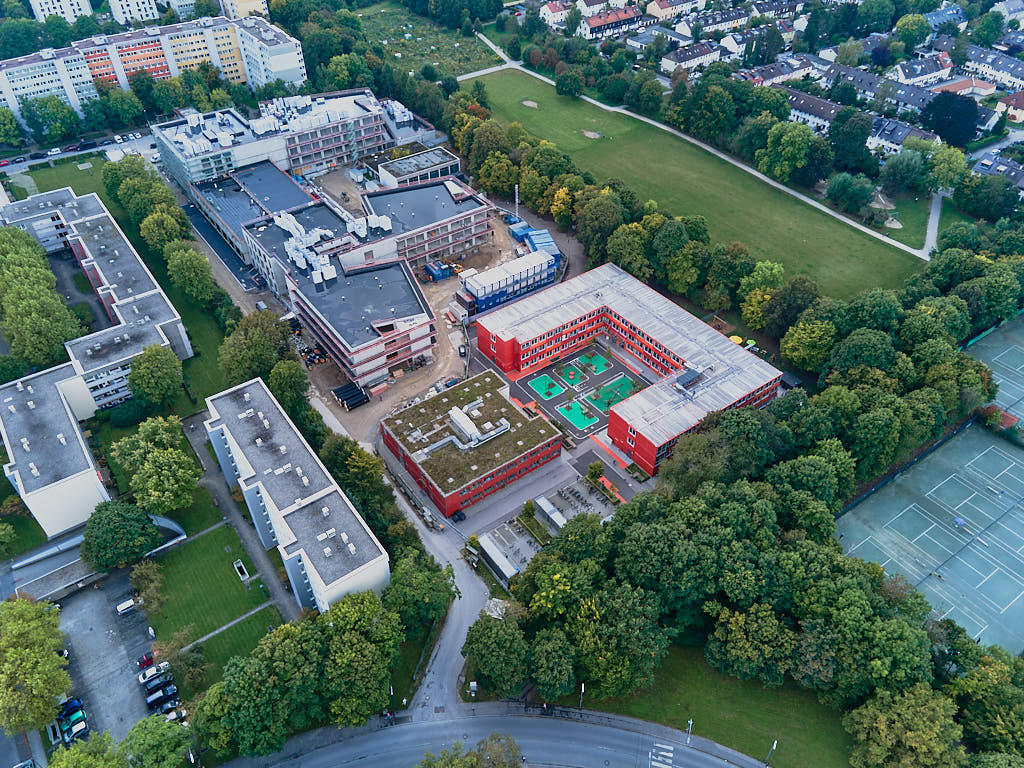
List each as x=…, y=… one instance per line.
x=438, y=270
x=511, y=280
x=520, y=231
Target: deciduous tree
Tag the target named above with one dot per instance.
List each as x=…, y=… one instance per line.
x=32, y=673
x=258, y=342
x=117, y=534
x=497, y=649
x=153, y=742
x=155, y=376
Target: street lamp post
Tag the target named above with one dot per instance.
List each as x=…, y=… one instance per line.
x=689, y=729
x=583, y=687
x=770, y=751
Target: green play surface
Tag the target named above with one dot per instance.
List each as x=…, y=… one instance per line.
x=545, y=387
x=573, y=412
x=571, y=375
x=607, y=395
x=599, y=361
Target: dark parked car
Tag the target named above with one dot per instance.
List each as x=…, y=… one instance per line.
x=158, y=682
x=70, y=148
x=37, y=155
x=157, y=698
x=18, y=160
x=106, y=142
x=68, y=707
x=459, y=516
x=90, y=144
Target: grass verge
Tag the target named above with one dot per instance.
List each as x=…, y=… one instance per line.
x=27, y=535
x=951, y=215
x=685, y=179
x=201, y=515
x=201, y=587
x=412, y=659
x=740, y=714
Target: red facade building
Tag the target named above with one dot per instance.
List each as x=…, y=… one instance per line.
x=700, y=370
x=468, y=442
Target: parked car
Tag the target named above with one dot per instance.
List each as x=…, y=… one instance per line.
x=77, y=731
x=18, y=160
x=37, y=155
x=89, y=144
x=4, y=162
x=152, y=671
x=145, y=660
x=68, y=706
x=162, y=696
x=118, y=139
x=462, y=350
x=136, y=135
x=70, y=148
x=72, y=725
x=459, y=516
x=106, y=142
x=168, y=708
x=53, y=152
x=158, y=682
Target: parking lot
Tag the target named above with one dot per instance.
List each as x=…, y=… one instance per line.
x=104, y=647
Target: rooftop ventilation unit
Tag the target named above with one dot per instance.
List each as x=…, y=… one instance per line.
x=325, y=511
x=328, y=551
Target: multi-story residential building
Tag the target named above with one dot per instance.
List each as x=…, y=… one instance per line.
x=1013, y=106
x=469, y=442
x=810, y=110
x=777, y=72
x=249, y=50
x=691, y=57
x=69, y=10
x=185, y=9
x=553, y=14
x=991, y=164
x=888, y=135
x=967, y=86
x=1004, y=70
x=716, y=21
x=296, y=506
x=949, y=14
x=127, y=11
x=870, y=86
x=302, y=134
x=594, y=7
x=663, y=10
x=239, y=9
x=1012, y=10
x=923, y=72
x=641, y=40
x=698, y=370
x=48, y=462
x=776, y=9
x=607, y=23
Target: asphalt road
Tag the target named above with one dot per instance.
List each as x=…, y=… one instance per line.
x=138, y=146
x=544, y=741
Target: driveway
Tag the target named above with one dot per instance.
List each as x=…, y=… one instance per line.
x=104, y=647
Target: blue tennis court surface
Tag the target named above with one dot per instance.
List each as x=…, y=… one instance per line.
x=954, y=526
x=1003, y=352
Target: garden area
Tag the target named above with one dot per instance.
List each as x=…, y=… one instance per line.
x=412, y=41
x=201, y=589
x=686, y=179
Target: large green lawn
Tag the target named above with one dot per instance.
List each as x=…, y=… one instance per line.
x=201, y=587
x=952, y=215
x=687, y=180
x=411, y=41
x=202, y=374
x=745, y=716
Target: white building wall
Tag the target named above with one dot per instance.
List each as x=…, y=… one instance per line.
x=60, y=507
x=69, y=10
x=375, y=576
x=126, y=11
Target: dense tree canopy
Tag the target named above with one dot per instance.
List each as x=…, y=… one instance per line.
x=117, y=534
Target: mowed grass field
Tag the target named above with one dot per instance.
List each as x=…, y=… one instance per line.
x=740, y=714
x=684, y=179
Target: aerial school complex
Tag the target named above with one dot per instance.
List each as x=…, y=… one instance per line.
x=694, y=369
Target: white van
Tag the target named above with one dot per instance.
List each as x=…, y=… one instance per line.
x=126, y=607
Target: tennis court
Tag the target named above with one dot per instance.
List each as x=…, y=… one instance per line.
x=1003, y=352
x=598, y=361
x=575, y=414
x=954, y=526
x=571, y=375
x=615, y=391
x=545, y=387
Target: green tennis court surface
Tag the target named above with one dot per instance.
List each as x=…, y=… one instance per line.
x=575, y=415
x=607, y=395
x=545, y=387
x=600, y=362
x=571, y=375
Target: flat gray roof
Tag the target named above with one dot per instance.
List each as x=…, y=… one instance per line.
x=122, y=268
x=315, y=216
x=419, y=205
x=660, y=412
x=141, y=319
x=42, y=424
x=419, y=162
x=274, y=189
x=295, y=480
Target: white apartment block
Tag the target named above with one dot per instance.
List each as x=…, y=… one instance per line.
x=49, y=464
x=296, y=506
x=127, y=11
x=69, y=10
x=250, y=50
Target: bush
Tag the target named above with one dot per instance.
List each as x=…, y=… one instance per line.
x=129, y=414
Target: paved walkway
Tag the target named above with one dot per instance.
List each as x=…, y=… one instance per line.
x=934, y=216
x=230, y=624
x=213, y=481
x=921, y=253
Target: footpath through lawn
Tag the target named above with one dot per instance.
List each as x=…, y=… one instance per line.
x=685, y=179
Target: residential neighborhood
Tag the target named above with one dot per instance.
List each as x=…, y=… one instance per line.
x=451, y=384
